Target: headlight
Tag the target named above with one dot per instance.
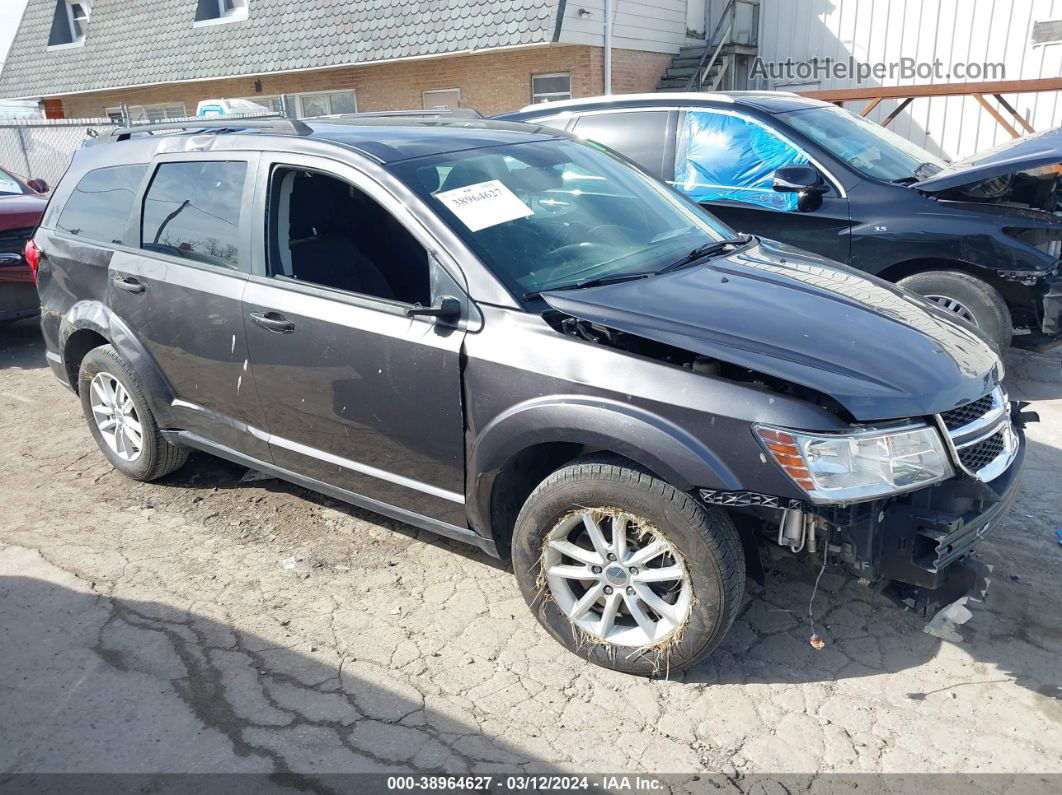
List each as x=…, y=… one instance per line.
x=858, y=466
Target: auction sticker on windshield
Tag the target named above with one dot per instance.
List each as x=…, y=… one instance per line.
x=484, y=204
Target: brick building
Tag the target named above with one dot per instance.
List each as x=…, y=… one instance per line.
x=88, y=58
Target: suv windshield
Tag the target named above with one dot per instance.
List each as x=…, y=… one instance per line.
x=558, y=214
x=868, y=147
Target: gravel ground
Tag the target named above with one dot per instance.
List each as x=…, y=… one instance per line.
x=204, y=624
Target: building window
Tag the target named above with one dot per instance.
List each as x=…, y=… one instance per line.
x=274, y=103
x=441, y=98
x=550, y=88
x=149, y=113
x=326, y=103
x=212, y=12
x=69, y=23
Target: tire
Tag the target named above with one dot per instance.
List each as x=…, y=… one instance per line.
x=984, y=306
x=154, y=457
x=701, y=540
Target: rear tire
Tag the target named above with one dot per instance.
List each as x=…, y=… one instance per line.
x=698, y=581
x=969, y=299
x=108, y=387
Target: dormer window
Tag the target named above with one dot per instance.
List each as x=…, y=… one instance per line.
x=213, y=12
x=69, y=23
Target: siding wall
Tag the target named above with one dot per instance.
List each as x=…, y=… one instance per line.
x=650, y=25
x=951, y=30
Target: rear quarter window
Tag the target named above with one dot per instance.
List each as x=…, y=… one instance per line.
x=639, y=135
x=98, y=208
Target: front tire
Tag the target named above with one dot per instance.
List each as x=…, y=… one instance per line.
x=969, y=299
x=626, y=571
x=120, y=419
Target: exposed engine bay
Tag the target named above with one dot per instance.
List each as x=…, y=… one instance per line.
x=1035, y=189
x=688, y=360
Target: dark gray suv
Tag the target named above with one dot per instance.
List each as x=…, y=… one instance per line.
x=514, y=339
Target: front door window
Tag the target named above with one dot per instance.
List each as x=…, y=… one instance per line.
x=725, y=156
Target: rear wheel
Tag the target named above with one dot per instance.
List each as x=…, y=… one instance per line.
x=625, y=570
x=967, y=298
x=120, y=419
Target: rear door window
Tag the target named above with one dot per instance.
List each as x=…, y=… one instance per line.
x=639, y=135
x=192, y=211
x=726, y=156
x=98, y=208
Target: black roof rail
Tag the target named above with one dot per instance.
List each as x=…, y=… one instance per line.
x=458, y=113
x=283, y=126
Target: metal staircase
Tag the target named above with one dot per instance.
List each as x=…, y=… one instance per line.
x=721, y=62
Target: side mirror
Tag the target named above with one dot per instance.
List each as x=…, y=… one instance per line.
x=449, y=308
x=804, y=181
x=38, y=185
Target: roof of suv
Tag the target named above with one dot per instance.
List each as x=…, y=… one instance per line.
x=770, y=101
x=384, y=139
x=389, y=140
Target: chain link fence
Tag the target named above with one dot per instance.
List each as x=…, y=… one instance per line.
x=42, y=148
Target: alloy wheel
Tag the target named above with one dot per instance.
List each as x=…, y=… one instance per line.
x=953, y=306
x=616, y=577
x=116, y=417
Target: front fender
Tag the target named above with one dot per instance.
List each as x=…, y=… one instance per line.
x=95, y=316
x=949, y=233
x=648, y=439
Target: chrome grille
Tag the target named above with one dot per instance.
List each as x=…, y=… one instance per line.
x=980, y=435
x=964, y=415
x=979, y=455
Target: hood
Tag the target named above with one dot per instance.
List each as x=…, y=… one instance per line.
x=17, y=212
x=878, y=350
x=1032, y=151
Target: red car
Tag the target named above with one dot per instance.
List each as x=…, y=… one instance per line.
x=21, y=207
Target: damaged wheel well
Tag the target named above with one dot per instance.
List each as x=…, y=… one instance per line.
x=79, y=344
x=901, y=270
x=523, y=472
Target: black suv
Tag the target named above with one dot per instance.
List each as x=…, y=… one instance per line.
x=514, y=339
x=981, y=237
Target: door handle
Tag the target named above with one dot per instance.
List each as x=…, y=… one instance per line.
x=273, y=321
x=129, y=284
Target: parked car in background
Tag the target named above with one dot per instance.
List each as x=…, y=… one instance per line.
x=501, y=334
x=981, y=238
x=21, y=206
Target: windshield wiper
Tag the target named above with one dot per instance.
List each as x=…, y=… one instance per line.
x=614, y=278
x=714, y=248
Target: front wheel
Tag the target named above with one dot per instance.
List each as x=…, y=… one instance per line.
x=625, y=570
x=969, y=299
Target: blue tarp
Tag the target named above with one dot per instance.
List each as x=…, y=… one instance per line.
x=722, y=156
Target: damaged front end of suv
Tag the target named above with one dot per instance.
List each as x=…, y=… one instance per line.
x=923, y=456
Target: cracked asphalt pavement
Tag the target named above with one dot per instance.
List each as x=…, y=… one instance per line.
x=206, y=624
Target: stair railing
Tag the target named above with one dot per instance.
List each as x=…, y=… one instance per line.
x=722, y=35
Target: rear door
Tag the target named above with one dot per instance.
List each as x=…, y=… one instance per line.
x=179, y=287
x=357, y=393
x=725, y=160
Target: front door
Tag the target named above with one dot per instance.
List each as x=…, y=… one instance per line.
x=357, y=393
x=726, y=161
x=179, y=288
